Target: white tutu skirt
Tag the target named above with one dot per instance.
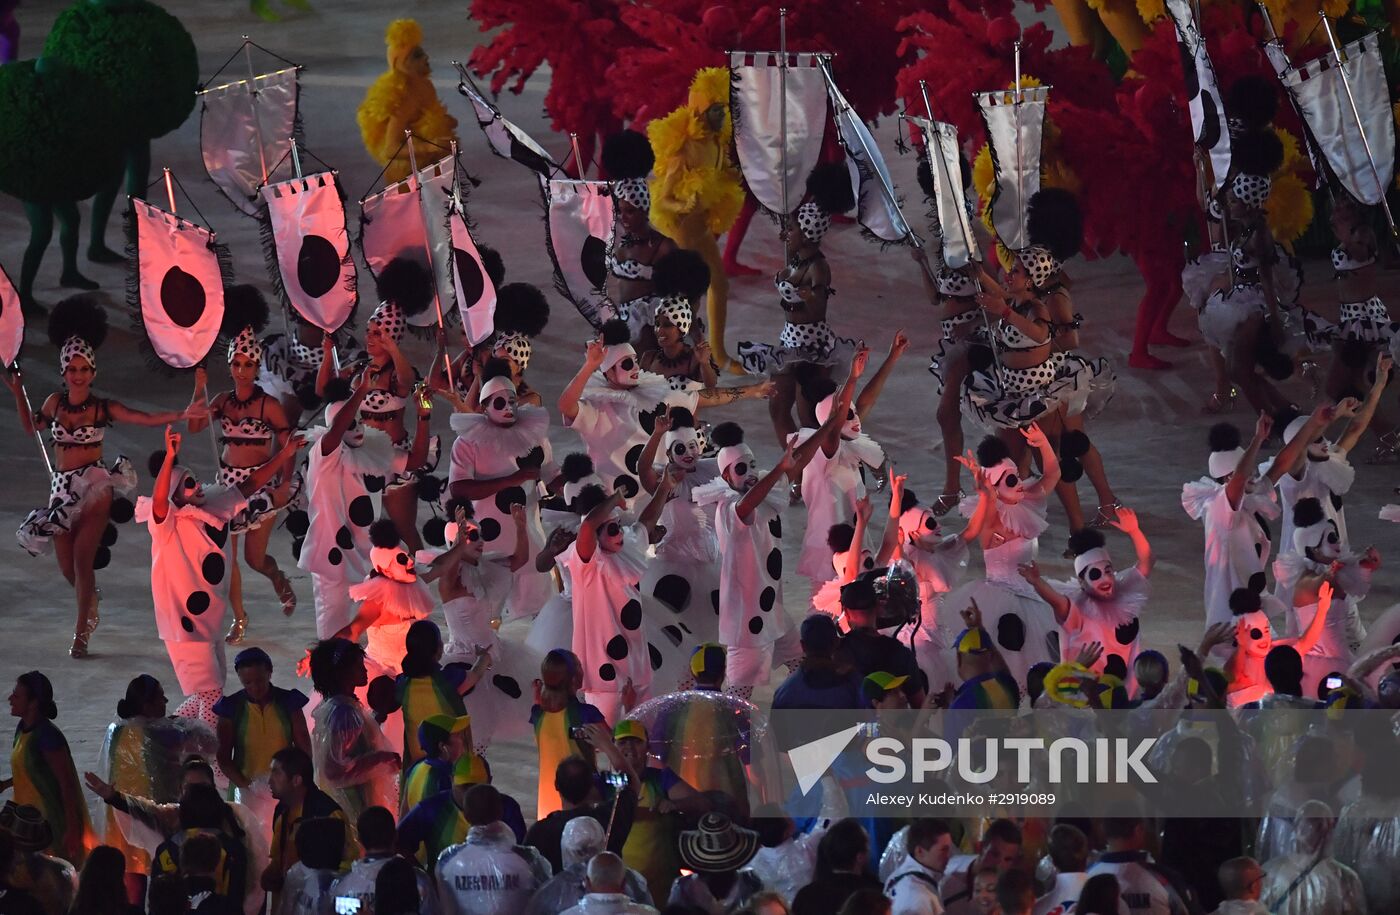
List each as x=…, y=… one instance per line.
x=500, y=702
x=1199, y=276
x=1224, y=312
x=1021, y=625
x=1008, y=398
x=936, y=658
x=70, y=491
x=813, y=344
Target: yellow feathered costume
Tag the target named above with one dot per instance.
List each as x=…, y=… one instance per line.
x=696, y=193
x=399, y=100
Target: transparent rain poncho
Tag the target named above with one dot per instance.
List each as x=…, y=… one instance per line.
x=1309, y=881
x=344, y=735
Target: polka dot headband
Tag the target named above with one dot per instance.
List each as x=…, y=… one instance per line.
x=389, y=318
x=517, y=347
x=1251, y=190
x=74, y=348
x=246, y=344
x=813, y=221
x=677, y=310
x=305, y=355
x=633, y=191
x=954, y=283
x=1039, y=263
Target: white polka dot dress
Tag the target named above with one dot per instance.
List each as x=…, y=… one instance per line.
x=486, y=451
x=1114, y=624
x=683, y=577
x=830, y=488
x=189, y=567
x=607, y=634
x=610, y=422
x=751, y=612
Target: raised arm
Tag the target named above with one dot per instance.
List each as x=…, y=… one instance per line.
x=1357, y=427
x=160, y=498
x=521, y=554
x=123, y=414
x=1294, y=448
x=587, y=540
x=865, y=403
x=569, y=397
x=1049, y=462
x=200, y=421
x=889, y=543
x=326, y=370
x=863, y=511
x=1057, y=601
x=422, y=434
x=646, y=464
x=1244, y=470
x=755, y=496
x=1127, y=522
x=986, y=499
x=716, y=397
x=829, y=435
x=925, y=274
x=557, y=542
x=1305, y=642
x=403, y=369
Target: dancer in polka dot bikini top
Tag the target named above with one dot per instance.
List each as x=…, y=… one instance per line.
x=189, y=527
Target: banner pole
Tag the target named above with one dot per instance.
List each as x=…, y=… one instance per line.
x=1360, y=127
x=1020, y=170
x=428, y=248
x=578, y=160
x=782, y=114
x=889, y=190
x=253, y=103
x=38, y=435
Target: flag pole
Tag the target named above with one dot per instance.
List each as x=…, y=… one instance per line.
x=253, y=103
x=29, y=408
x=1356, y=113
x=1020, y=170
x=782, y=114
x=428, y=248
x=578, y=160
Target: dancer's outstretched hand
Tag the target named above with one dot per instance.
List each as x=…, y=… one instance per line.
x=1127, y=520
x=1089, y=654
x=972, y=615
x=593, y=352
x=1034, y=436
x=98, y=787
x=172, y=440
x=899, y=344
x=1029, y=571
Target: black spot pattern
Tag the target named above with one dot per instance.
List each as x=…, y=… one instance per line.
x=593, y=261
x=607, y=673
x=1257, y=582
x=197, y=602
x=1127, y=633
x=219, y=535
x=374, y=483
x=673, y=633
x=318, y=266
x=187, y=624
x=469, y=277
x=511, y=495
x=631, y=615
x=182, y=297
x=617, y=648
x=628, y=484
x=766, y=598
x=334, y=557
x=673, y=591
x=633, y=458
x=212, y=568
x=361, y=511
x=775, y=564
x=508, y=685
x=714, y=600
x=490, y=528
x=344, y=539
x=1011, y=632
x=775, y=527
x=654, y=655
x=756, y=625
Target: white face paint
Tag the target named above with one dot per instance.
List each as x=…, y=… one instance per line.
x=500, y=408
x=1011, y=489
x=400, y=568
x=851, y=429
x=354, y=436
x=463, y=529
x=626, y=374
x=1252, y=635
x=741, y=476
x=1331, y=546
x=1098, y=579
x=185, y=489
x=683, y=448
x=610, y=535
x=1320, y=450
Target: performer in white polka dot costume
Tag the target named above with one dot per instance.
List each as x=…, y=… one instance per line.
x=188, y=523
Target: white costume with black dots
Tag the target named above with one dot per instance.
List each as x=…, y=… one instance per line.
x=1326, y=481
x=1237, y=542
x=1341, y=631
x=1114, y=624
x=343, y=491
x=189, y=590
x=609, y=420
x=487, y=451
x=830, y=488
x=1019, y=622
x=684, y=575
x=753, y=623
x=937, y=572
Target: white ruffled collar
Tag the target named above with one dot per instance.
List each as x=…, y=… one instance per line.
x=373, y=457
x=718, y=490
x=530, y=431
x=1197, y=495
x=650, y=391
x=1130, y=595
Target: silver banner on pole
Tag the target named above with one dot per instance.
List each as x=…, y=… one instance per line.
x=756, y=100
x=1208, y=125
x=506, y=139
x=877, y=207
x=394, y=223
x=245, y=127
x=1014, y=128
x=179, y=284
x=950, y=202
x=579, y=232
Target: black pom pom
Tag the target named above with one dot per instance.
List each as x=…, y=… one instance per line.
x=1071, y=470
x=1074, y=443
x=495, y=266
x=726, y=435
x=429, y=487
x=681, y=418
x=992, y=451
x=682, y=273
x=384, y=534
x=521, y=309
x=336, y=390
x=907, y=500
x=123, y=510
x=589, y=498
x=980, y=357
x=576, y=466
x=296, y=549
x=435, y=532
x=244, y=306
x=154, y=462
x=1084, y=540
x=109, y=534
x=466, y=505
x=298, y=523
x=627, y=154
x=1223, y=437
x=615, y=332
x=829, y=186
x=839, y=537
x=1252, y=99
x=1244, y=600
x=1053, y=220
x=102, y=558
x=1257, y=153
x=406, y=283
x=926, y=178
x=80, y=315
x=495, y=367
x=1278, y=366
x=531, y=459
x=818, y=389
x=1307, y=512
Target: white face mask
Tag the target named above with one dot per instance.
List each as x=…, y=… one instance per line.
x=1253, y=636
x=354, y=436
x=741, y=476
x=1319, y=450
x=610, y=536
x=394, y=564
x=185, y=489
x=500, y=408
x=1099, y=580
x=683, y=448
x=851, y=429
x=1331, y=546
x=1011, y=489
x=626, y=374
